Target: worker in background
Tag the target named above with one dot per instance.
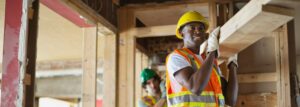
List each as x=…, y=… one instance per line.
x=194, y=79
x=155, y=88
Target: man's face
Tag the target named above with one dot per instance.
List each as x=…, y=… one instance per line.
x=152, y=86
x=194, y=34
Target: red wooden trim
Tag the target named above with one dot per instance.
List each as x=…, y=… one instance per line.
x=66, y=12
x=10, y=70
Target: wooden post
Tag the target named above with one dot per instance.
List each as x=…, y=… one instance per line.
x=32, y=54
x=212, y=14
x=89, y=65
x=282, y=67
x=110, y=70
x=19, y=53
x=126, y=55
x=138, y=68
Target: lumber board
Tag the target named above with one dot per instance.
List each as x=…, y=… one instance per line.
x=257, y=100
x=257, y=77
x=282, y=67
x=89, y=65
x=154, y=31
x=250, y=24
x=110, y=71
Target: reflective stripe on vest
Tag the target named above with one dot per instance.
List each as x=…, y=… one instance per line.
x=149, y=101
x=211, y=96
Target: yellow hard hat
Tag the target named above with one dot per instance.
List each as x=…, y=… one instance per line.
x=191, y=16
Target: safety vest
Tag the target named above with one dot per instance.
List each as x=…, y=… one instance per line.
x=180, y=96
x=150, y=101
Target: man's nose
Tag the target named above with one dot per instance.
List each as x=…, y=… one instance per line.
x=197, y=31
x=152, y=85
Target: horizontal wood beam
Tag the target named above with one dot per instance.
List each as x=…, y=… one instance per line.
x=172, y=4
x=257, y=77
x=250, y=24
x=154, y=31
x=257, y=100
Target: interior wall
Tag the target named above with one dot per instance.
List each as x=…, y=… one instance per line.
x=258, y=58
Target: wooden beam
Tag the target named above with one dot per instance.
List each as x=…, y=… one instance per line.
x=153, y=6
x=250, y=24
x=66, y=12
x=89, y=63
x=91, y=15
x=257, y=77
x=257, y=100
x=138, y=68
x=126, y=55
x=212, y=14
x=282, y=67
x=110, y=71
x=19, y=53
x=154, y=31
x=32, y=55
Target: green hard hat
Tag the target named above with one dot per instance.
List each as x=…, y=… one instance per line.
x=147, y=74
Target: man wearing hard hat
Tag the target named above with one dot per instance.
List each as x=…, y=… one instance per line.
x=194, y=79
x=155, y=88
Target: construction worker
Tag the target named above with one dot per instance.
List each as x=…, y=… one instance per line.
x=194, y=79
x=155, y=88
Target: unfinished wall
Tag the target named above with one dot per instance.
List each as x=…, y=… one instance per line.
x=257, y=59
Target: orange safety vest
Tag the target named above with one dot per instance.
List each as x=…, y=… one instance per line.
x=150, y=101
x=180, y=96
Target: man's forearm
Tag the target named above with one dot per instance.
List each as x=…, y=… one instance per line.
x=202, y=76
x=232, y=88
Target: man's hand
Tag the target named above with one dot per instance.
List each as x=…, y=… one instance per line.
x=162, y=87
x=232, y=61
x=213, y=42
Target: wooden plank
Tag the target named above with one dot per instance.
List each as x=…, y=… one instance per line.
x=212, y=14
x=110, y=71
x=131, y=41
x=249, y=25
x=282, y=68
x=257, y=100
x=258, y=87
x=257, y=77
x=154, y=31
x=138, y=69
x=20, y=28
x=63, y=10
x=89, y=65
x=126, y=59
x=173, y=4
x=32, y=54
